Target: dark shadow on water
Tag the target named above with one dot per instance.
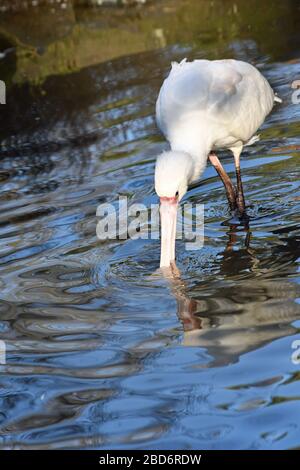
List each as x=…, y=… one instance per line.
x=245, y=316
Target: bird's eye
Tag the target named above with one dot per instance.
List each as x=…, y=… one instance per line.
x=177, y=194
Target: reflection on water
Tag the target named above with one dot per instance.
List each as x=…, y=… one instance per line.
x=104, y=350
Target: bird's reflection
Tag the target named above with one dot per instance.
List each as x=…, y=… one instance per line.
x=234, y=261
x=245, y=312
x=186, y=306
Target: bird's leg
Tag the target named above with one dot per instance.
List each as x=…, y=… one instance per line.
x=248, y=234
x=232, y=238
x=230, y=190
x=240, y=200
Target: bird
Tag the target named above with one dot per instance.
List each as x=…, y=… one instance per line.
x=203, y=106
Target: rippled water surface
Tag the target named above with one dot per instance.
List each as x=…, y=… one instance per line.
x=102, y=350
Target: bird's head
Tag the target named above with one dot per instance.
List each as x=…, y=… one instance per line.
x=173, y=172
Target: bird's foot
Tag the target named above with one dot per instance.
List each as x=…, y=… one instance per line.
x=243, y=216
x=238, y=217
x=241, y=207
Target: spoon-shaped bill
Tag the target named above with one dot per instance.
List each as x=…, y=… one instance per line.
x=168, y=219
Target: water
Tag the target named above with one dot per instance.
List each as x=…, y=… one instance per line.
x=103, y=351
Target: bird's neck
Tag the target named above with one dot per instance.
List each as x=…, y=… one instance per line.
x=198, y=151
x=194, y=140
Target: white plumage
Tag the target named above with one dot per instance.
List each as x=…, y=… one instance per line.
x=204, y=106
x=213, y=104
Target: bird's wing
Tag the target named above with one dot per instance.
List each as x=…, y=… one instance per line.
x=232, y=93
x=251, y=99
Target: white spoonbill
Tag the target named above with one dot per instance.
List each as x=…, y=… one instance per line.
x=204, y=106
